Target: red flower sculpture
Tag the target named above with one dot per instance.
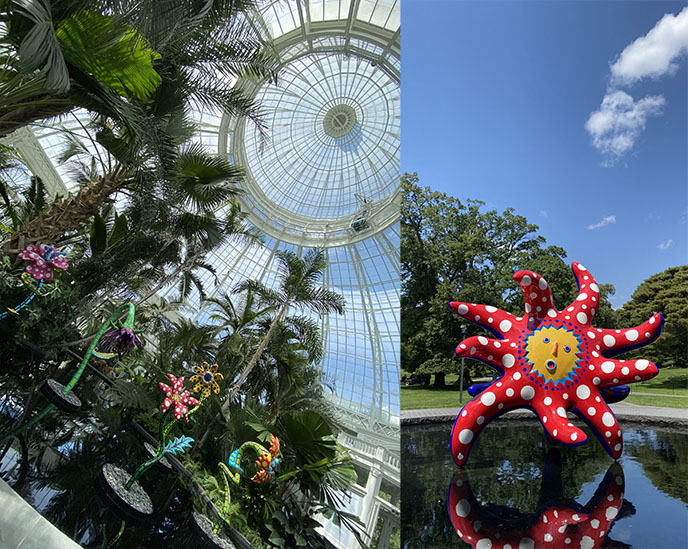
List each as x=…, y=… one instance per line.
x=42, y=260
x=175, y=395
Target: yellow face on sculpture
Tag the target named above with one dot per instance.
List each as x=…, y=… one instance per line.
x=553, y=353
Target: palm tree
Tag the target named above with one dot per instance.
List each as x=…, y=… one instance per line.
x=299, y=289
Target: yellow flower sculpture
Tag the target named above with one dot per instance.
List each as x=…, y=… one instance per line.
x=206, y=378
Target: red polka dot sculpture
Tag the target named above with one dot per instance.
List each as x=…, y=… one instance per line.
x=551, y=362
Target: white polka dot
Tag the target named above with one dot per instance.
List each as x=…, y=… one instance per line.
x=591, y=411
x=464, y=413
x=548, y=537
x=548, y=401
x=463, y=309
x=652, y=320
x=574, y=436
x=508, y=360
x=533, y=295
x=490, y=320
x=510, y=392
x=460, y=456
x=582, y=318
x=505, y=325
x=566, y=396
x=526, y=280
x=463, y=508
x=488, y=399
x=501, y=405
x=490, y=309
x=517, y=375
x=610, y=513
x=466, y=436
x=528, y=307
x=473, y=350
x=642, y=364
x=618, y=433
x=632, y=335
x=591, y=335
x=544, y=419
x=527, y=393
x=554, y=432
x=608, y=367
x=561, y=412
x=587, y=542
x=583, y=392
x=617, y=447
x=608, y=419
x=581, y=268
x=482, y=340
x=609, y=340
x=542, y=283
x=607, y=434
x=480, y=420
x=595, y=523
x=551, y=313
x=625, y=370
x=526, y=543
x=497, y=344
x=595, y=288
x=582, y=296
x=567, y=540
x=477, y=317
x=483, y=544
x=477, y=525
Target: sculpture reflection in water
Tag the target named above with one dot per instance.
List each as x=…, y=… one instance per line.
x=557, y=523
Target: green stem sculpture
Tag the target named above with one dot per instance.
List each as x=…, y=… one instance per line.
x=110, y=322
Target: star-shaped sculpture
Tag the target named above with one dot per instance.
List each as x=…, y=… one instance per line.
x=551, y=362
x=557, y=523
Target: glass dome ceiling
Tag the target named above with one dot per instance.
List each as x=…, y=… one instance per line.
x=327, y=176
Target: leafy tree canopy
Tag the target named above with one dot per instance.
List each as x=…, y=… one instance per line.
x=455, y=251
x=665, y=293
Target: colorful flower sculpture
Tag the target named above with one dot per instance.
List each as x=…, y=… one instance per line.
x=206, y=378
x=267, y=463
x=42, y=260
x=557, y=524
x=175, y=395
x=120, y=341
x=551, y=362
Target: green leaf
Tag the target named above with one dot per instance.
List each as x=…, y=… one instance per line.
x=98, y=235
x=119, y=229
x=112, y=52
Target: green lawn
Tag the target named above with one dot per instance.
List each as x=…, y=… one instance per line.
x=667, y=382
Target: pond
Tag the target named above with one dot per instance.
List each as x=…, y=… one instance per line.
x=519, y=491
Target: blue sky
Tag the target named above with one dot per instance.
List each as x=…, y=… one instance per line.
x=573, y=113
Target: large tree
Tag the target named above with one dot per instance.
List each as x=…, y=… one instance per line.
x=453, y=250
x=666, y=293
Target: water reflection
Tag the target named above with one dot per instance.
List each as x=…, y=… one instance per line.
x=508, y=467
x=557, y=522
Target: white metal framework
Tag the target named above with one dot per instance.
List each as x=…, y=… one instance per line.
x=326, y=177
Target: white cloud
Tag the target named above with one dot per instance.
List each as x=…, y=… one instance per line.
x=656, y=53
x=610, y=219
x=620, y=120
x=617, y=124
x=543, y=213
x=664, y=245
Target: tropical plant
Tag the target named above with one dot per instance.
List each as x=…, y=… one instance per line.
x=298, y=288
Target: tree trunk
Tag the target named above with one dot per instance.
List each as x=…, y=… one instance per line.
x=245, y=372
x=439, y=379
x=65, y=214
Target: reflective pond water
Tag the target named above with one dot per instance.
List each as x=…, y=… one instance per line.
x=518, y=491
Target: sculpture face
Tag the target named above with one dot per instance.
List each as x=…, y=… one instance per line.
x=554, y=355
x=551, y=362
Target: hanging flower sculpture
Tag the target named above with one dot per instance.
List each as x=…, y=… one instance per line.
x=42, y=260
x=120, y=341
x=551, y=362
x=180, y=399
x=206, y=378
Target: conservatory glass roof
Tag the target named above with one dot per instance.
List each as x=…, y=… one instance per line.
x=327, y=176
